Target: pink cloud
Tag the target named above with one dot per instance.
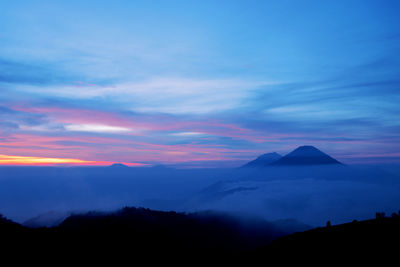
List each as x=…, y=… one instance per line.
x=143, y=124
x=29, y=160
x=152, y=138
x=112, y=149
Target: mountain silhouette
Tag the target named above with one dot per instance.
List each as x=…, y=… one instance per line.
x=97, y=236
x=118, y=165
x=349, y=240
x=133, y=232
x=263, y=160
x=306, y=155
x=48, y=219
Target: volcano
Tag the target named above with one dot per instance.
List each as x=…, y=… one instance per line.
x=263, y=160
x=306, y=155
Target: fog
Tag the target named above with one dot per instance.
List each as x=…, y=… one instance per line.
x=308, y=194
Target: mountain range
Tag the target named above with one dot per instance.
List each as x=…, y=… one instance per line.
x=303, y=155
x=263, y=160
x=142, y=234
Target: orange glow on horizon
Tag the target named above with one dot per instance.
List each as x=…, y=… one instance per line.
x=42, y=161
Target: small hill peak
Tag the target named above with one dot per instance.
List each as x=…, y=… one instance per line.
x=118, y=165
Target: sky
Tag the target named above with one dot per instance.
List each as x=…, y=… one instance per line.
x=197, y=82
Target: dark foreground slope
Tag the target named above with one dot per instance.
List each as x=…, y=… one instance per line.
x=149, y=230
x=133, y=234
x=137, y=232
x=378, y=238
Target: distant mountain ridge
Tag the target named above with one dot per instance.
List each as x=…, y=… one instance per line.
x=118, y=165
x=303, y=155
x=263, y=160
x=48, y=219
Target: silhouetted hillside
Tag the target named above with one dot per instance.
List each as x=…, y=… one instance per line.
x=137, y=232
x=48, y=219
x=159, y=230
x=378, y=238
x=6, y=224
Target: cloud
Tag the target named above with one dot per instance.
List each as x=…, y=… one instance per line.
x=96, y=128
x=36, y=73
x=347, y=98
x=288, y=109
x=187, y=134
x=163, y=95
x=11, y=119
x=24, y=160
x=8, y=125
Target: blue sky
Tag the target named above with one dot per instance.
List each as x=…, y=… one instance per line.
x=176, y=81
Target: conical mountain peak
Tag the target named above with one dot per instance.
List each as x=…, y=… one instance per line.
x=306, y=155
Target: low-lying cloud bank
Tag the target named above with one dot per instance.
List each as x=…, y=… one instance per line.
x=309, y=195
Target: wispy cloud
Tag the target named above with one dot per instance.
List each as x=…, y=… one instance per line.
x=95, y=128
x=187, y=134
x=23, y=160
x=164, y=95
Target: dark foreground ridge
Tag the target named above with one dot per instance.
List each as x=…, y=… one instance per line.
x=377, y=238
x=135, y=233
